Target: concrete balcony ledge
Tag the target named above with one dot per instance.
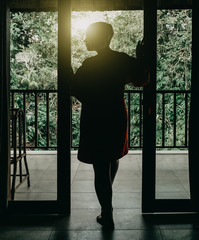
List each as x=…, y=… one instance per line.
x=131, y=152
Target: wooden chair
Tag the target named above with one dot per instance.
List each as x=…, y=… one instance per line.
x=18, y=146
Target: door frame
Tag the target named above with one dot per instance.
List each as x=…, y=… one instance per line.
x=149, y=202
x=63, y=203
x=4, y=105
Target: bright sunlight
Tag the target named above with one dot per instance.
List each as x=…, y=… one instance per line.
x=80, y=22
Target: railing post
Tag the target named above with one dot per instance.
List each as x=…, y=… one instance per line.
x=174, y=119
x=149, y=108
x=64, y=104
x=36, y=119
x=24, y=121
x=163, y=117
x=129, y=119
x=140, y=115
x=47, y=119
x=186, y=117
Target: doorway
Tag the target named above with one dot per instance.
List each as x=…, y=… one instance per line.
x=63, y=201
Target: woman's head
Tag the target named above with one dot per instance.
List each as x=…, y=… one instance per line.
x=98, y=36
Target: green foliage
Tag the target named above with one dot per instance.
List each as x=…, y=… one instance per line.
x=174, y=49
x=34, y=65
x=33, y=50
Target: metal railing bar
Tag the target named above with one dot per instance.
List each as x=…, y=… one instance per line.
x=163, y=119
x=24, y=121
x=36, y=119
x=140, y=119
x=47, y=119
x=126, y=91
x=186, y=117
x=129, y=119
x=20, y=142
x=128, y=97
x=174, y=119
x=33, y=91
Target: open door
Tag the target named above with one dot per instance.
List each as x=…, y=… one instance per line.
x=150, y=201
x=194, y=126
x=60, y=203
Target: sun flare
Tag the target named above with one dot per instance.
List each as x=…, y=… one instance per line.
x=80, y=22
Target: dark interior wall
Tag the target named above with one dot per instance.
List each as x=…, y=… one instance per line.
x=96, y=5
x=4, y=104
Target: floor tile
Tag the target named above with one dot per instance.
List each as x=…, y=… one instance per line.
x=85, y=166
x=73, y=174
x=127, y=200
x=84, y=200
x=129, y=164
x=172, y=182
x=107, y=235
x=181, y=174
x=24, y=235
x=84, y=175
x=176, y=221
x=185, y=184
x=127, y=186
x=35, y=196
x=178, y=162
x=49, y=175
x=180, y=234
x=172, y=195
x=41, y=186
x=80, y=219
x=74, y=165
x=27, y=223
x=128, y=175
x=165, y=174
x=161, y=164
x=84, y=219
x=52, y=166
x=83, y=186
x=132, y=219
x=120, y=200
x=169, y=185
x=65, y=235
x=36, y=174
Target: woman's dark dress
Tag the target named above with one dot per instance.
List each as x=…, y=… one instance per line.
x=99, y=85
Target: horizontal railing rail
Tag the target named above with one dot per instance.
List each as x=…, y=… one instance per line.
x=172, y=114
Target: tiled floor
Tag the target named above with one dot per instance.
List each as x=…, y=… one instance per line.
x=172, y=182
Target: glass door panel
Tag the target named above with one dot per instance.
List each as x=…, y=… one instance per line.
x=33, y=103
x=174, y=33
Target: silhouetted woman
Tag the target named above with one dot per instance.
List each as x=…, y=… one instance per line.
x=99, y=85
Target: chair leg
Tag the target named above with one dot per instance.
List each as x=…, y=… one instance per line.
x=13, y=181
x=27, y=171
x=20, y=171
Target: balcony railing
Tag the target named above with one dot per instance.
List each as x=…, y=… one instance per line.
x=172, y=111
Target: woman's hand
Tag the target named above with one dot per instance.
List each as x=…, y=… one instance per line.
x=140, y=50
x=140, y=55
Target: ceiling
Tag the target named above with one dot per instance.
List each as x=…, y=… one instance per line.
x=94, y=5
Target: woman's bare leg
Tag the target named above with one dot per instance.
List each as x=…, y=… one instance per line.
x=103, y=187
x=113, y=169
x=105, y=173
